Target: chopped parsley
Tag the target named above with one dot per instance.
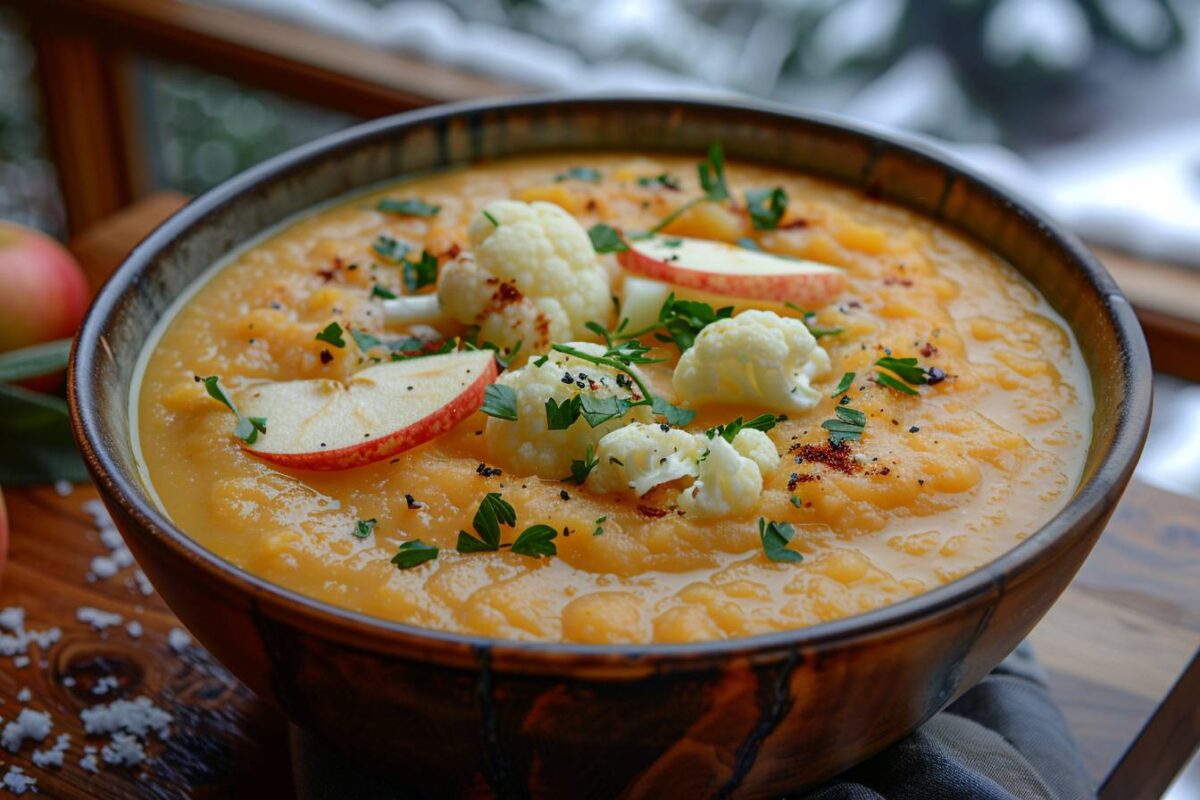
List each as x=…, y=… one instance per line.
x=421, y=273
x=414, y=553
x=796, y=501
x=728, y=431
x=500, y=401
x=844, y=384
x=332, y=334
x=766, y=207
x=712, y=181
x=848, y=426
x=679, y=321
x=382, y=291
x=746, y=243
x=493, y=512
x=908, y=371
x=365, y=341
x=390, y=250
x=599, y=523
x=363, y=528
x=560, y=416
x=663, y=179
x=775, y=537
x=581, y=469
x=536, y=541
x=247, y=428
x=674, y=414
x=809, y=320
x=586, y=174
x=495, y=222
x=408, y=208
x=606, y=239
x=598, y=410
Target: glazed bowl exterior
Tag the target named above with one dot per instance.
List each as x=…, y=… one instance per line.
x=457, y=714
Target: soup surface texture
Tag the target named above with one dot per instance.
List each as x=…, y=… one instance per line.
x=949, y=469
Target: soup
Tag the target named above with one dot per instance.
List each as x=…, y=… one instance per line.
x=730, y=401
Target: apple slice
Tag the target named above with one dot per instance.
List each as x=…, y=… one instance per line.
x=381, y=411
x=728, y=269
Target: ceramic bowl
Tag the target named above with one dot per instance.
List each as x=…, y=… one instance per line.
x=459, y=714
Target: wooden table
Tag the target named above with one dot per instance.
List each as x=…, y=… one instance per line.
x=1119, y=646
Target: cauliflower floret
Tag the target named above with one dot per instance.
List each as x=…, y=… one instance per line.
x=526, y=443
x=758, y=447
x=727, y=483
x=533, y=277
x=639, y=457
x=758, y=358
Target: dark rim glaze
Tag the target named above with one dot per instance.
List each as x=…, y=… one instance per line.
x=1131, y=380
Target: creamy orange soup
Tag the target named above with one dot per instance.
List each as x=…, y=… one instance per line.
x=939, y=482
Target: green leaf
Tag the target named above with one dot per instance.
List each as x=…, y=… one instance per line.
x=536, y=541
x=674, y=414
x=598, y=410
x=493, y=512
x=365, y=341
x=421, y=273
x=588, y=174
x=414, y=553
x=382, y=291
x=883, y=379
x=663, y=179
x=851, y=416
x=29, y=362
x=844, y=384
x=775, y=537
x=488, y=215
x=606, y=239
x=469, y=544
x=581, y=469
x=766, y=207
x=390, y=250
x=730, y=430
x=712, y=174
x=332, y=334
x=599, y=531
x=747, y=243
x=500, y=401
x=599, y=330
x=38, y=445
x=906, y=368
x=559, y=417
x=797, y=502
x=363, y=527
x=408, y=208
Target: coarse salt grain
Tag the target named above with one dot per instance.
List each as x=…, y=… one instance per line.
x=20, y=662
x=106, y=684
x=134, y=629
x=63, y=488
x=29, y=724
x=137, y=716
x=24, y=696
x=124, y=750
x=103, y=567
x=99, y=619
x=54, y=756
x=143, y=583
x=89, y=763
x=17, y=782
x=179, y=639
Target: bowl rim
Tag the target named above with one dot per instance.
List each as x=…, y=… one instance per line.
x=1092, y=500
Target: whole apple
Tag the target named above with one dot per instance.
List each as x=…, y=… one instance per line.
x=43, y=292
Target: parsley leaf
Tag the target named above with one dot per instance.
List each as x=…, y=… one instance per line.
x=493, y=512
x=775, y=537
x=674, y=414
x=598, y=410
x=421, y=273
x=332, y=334
x=906, y=368
x=500, y=401
x=390, y=250
x=730, y=430
x=363, y=528
x=382, y=291
x=587, y=174
x=365, y=341
x=848, y=426
x=536, y=541
x=712, y=174
x=599, y=523
x=559, y=417
x=663, y=179
x=606, y=239
x=746, y=243
x=581, y=469
x=414, y=553
x=851, y=415
x=247, y=428
x=495, y=222
x=844, y=384
x=684, y=319
x=766, y=207
x=408, y=208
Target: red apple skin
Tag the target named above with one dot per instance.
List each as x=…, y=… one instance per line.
x=419, y=432
x=43, y=293
x=807, y=290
